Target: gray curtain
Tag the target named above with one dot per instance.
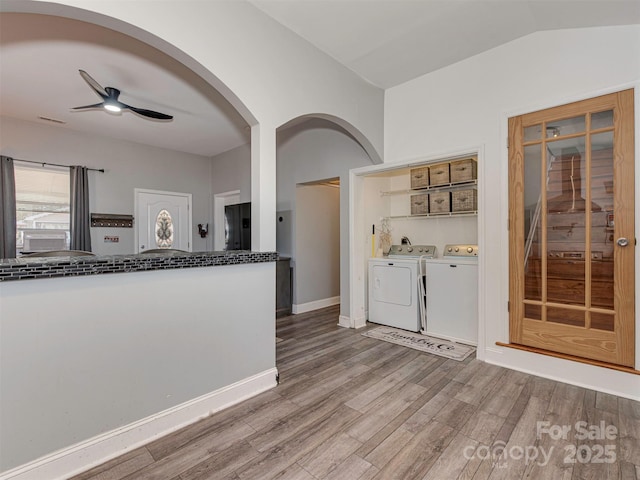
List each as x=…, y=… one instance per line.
x=7, y=209
x=80, y=216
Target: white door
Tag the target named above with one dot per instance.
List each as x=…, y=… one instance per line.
x=163, y=220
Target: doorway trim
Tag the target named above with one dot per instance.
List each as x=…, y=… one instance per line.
x=301, y=210
x=188, y=196
x=360, y=248
x=221, y=200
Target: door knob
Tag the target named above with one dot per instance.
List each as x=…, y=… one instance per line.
x=623, y=242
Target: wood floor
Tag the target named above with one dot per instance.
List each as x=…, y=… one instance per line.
x=350, y=407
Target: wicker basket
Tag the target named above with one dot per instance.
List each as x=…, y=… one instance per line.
x=464, y=200
x=439, y=202
x=464, y=170
x=420, y=177
x=419, y=204
x=439, y=174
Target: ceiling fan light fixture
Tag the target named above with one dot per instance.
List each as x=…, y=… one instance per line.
x=110, y=107
x=111, y=103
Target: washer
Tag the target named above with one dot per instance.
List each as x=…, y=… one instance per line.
x=451, y=286
x=394, y=294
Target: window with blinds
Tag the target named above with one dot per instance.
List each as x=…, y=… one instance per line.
x=42, y=209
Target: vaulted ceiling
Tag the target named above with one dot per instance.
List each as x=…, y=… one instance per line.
x=386, y=42
x=389, y=42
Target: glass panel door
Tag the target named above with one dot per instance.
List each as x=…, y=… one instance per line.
x=571, y=209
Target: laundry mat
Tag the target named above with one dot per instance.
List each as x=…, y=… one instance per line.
x=424, y=343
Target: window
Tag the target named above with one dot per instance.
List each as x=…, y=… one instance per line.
x=42, y=209
x=164, y=230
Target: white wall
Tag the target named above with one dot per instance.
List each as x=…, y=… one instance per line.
x=468, y=104
x=82, y=356
x=317, y=239
x=127, y=166
x=232, y=171
x=311, y=151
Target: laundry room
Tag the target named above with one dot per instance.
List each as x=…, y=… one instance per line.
x=419, y=225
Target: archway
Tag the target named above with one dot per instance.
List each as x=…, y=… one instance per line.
x=200, y=110
x=314, y=155
x=66, y=11
x=350, y=129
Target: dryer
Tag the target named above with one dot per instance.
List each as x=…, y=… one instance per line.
x=394, y=293
x=451, y=286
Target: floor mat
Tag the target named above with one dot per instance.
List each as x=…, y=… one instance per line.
x=424, y=343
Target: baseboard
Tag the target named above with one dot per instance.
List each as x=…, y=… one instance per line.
x=315, y=305
x=99, y=449
x=591, y=377
x=344, y=321
x=360, y=322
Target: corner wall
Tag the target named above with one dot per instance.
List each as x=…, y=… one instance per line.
x=231, y=170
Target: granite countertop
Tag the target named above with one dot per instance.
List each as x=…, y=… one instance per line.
x=49, y=267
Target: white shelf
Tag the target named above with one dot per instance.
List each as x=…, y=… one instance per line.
x=437, y=215
x=447, y=187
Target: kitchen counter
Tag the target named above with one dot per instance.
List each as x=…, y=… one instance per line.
x=51, y=267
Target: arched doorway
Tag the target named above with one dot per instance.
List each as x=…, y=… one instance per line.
x=314, y=156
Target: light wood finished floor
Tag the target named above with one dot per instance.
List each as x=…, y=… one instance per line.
x=350, y=407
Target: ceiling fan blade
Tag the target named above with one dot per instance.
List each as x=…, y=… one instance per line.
x=110, y=96
x=149, y=113
x=89, y=107
x=93, y=84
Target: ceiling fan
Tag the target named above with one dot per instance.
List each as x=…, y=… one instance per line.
x=111, y=103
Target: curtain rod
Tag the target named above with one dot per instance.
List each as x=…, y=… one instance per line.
x=101, y=170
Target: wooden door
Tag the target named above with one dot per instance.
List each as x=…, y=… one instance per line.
x=163, y=220
x=571, y=229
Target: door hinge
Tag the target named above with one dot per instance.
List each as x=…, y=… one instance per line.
x=508, y=142
x=509, y=225
x=509, y=307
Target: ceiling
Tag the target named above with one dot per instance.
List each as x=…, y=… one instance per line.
x=386, y=42
x=40, y=58
x=389, y=42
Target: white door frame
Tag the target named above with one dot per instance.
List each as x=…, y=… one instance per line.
x=188, y=196
x=221, y=200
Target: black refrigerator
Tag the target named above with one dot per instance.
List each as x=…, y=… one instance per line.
x=237, y=226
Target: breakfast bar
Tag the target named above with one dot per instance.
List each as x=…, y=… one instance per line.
x=66, y=266
x=100, y=353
